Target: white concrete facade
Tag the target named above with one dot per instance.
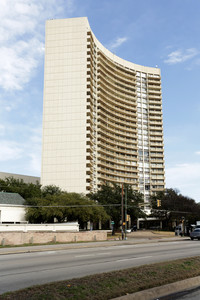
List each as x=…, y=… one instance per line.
x=12, y=213
x=64, y=117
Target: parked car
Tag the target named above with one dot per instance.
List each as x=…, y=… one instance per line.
x=134, y=228
x=195, y=234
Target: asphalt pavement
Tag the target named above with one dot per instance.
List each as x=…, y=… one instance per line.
x=141, y=237
x=191, y=294
x=189, y=288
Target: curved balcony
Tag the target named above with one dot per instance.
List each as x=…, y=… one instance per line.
x=107, y=113
x=101, y=128
x=115, y=125
x=117, y=106
x=130, y=144
x=112, y=179
x=119, y=155
x=123, y=100
x=116, y=84
x=117, y=168
x=113, y=68
x=105, y=103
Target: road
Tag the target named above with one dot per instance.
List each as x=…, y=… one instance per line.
x=27, y=269
x=193, y=294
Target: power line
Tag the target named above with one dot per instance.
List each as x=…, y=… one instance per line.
x=68, y=206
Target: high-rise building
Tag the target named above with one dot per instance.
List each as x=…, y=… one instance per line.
x=102, y=119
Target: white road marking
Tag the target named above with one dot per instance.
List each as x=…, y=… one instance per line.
x=84, y=255
x=42, y=253
x=142, y=257
x=106, y=253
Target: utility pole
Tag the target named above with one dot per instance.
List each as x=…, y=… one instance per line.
x=122, y=210
x=125, y=211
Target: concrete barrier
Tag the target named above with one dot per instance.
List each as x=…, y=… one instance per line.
x=69, y=226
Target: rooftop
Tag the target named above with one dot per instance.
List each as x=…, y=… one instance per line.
x=11, y=198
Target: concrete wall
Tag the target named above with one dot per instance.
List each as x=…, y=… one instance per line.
x=20, y=238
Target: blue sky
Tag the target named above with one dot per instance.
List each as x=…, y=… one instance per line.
x=163, y=33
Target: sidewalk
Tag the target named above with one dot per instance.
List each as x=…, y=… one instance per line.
x=132, y=239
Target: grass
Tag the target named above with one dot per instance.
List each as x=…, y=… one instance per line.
x=165, y=233
x=29, y=244
x=112, y=237
x=49, y=243
x=113, y=284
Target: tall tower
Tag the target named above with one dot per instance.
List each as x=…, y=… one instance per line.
x=102, y=118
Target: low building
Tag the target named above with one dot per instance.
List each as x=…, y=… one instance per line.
x=12, y=208
x=25, y=178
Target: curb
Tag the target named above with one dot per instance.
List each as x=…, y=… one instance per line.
x=160, y=291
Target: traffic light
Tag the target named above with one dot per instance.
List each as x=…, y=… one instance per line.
x=158, y=203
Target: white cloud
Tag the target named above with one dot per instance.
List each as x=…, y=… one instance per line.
x=10, y=151
x=180, y=56
x=7, y=106
x=33, y=150
x=186, y=178
x=197, y=152
x=17, y=63
x=22, y=37
x=35, y=163
x=2, y=130
x=117, y=43
x=26, y=154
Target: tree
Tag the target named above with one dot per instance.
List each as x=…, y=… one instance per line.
x=175, y=206
x=50, y=190
x=64, y=207
x=26, y=190
x=111, y=195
